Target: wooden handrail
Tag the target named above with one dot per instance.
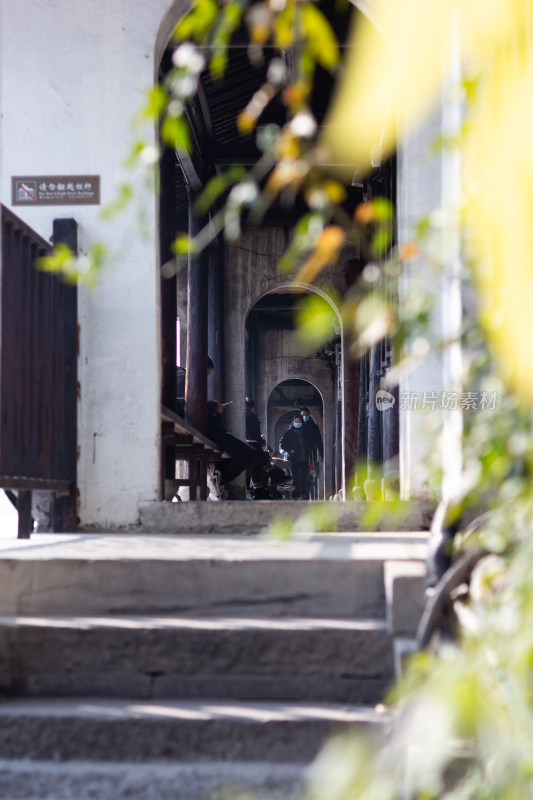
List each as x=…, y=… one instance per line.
x=183, y=427
x=18, y=224
x=21, y=483
x=38, y=360
x=182, y=442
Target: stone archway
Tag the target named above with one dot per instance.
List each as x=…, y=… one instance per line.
x=273, y=357
x=283, y=401
x=245, y=272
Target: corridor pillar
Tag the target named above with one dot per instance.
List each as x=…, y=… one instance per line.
x=197, y=327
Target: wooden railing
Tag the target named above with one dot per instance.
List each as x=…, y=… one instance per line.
x=38, y=369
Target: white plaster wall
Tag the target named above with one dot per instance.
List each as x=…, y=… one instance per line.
x=429, y=182
x=428, y=437
x=73, y=73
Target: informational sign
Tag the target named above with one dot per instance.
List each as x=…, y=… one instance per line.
x=55, y=190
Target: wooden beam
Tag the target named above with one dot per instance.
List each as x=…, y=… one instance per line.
x=189, y=170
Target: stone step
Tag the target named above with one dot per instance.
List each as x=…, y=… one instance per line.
x=406, y=596
x=82, y=780
x=99, y=730
x=338, y=660
x=319, y=575
x=253, y=517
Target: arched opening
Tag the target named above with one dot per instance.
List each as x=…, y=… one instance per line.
x=284, y=401
x=284, y=374
x=245, y=313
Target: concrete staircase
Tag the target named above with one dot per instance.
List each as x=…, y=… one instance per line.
x=173, y=665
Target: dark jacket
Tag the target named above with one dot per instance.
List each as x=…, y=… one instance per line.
x=297, y=441
x=215, y=423
x=314, y=437
x=253, y=426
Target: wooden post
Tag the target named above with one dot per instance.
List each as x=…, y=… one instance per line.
x=197, y=294
x=65, y=508
x=362, y=423
x=169, y=302
x=351, y=410
x=202, y=478
x=338, y=445
x=216, y=387
x=25, y=522
x=194, y=475
x=375, y=450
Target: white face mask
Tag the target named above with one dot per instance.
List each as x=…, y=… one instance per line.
x=305, y=419
x=297, y=424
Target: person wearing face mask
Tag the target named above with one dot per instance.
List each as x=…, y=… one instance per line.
x=316, y=449
x=294, y=442
x=313, y=432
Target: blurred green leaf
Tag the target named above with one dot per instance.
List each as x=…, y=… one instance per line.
x=319, y=518
x=217, y=65
x=124, y=196
x=284, y=27
x=290, y=256
x=232, y=15
x=307, y=63
x=280, y=528
x=306, y=232
x=422, y=227
x=183, y=245
x=321, y=38
x=83, y=268
x=175, y=132
x=217, y=186
x=55, y=262
x=185, y=29
x=198, y=22
x=316, y=321
x=156, y=102
x=445, y=142
x=381, y=241
x=135, y=150
x=156, y=99
x=382, y=208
